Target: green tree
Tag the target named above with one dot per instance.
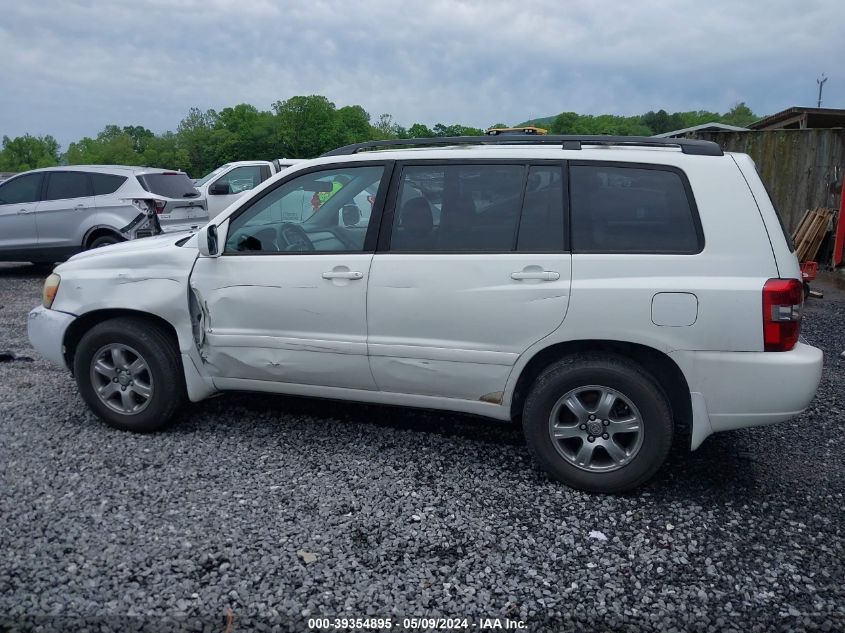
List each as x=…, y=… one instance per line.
x=387, y=128
x=254, y=131
x=307, y=126
x=28, y=152
x=164, y=151
x=565, y=123
x=661, y=121
x=352, y=125
x=140, y=136
x=418, y=130
x=196, y=136
x=456, y=130
x=740, y=114
x=112, y=146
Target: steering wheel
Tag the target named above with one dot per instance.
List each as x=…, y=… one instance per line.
x=296, y=238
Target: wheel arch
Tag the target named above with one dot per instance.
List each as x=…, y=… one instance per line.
x=665, y=370
x=85, y=322
x=98, y=231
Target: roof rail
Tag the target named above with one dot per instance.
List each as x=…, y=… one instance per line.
x=565, y=141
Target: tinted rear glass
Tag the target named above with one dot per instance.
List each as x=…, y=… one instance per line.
x=169, y=185
x=790, y=243
x=541, y=225
x=459, y=208
x=63, y=185
x=106, y=183
x=21, y=190
x=631, y=210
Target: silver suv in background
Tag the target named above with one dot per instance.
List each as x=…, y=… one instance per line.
x=48, y=215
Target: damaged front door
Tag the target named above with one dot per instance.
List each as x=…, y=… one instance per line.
x=286, y=301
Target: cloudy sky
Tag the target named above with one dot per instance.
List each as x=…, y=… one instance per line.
x=69, y=67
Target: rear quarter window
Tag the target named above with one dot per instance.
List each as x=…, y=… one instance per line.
x=105, y=184
x=169, y=184
x=790, y=243
x=617, y=208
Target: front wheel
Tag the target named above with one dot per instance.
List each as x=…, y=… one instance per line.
x=129, y=372
x=598, y=422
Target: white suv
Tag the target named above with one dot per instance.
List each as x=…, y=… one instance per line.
x=47, y=215
x=606, y=292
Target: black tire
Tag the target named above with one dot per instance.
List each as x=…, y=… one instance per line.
x=164, y=366
x=806, y=291
x=103, y=240
x=619, y=374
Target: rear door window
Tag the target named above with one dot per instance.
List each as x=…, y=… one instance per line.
x=541, y=224
x=632, y=209
x=105, y=184
x=64, y=185
x=21, y=190
x=169, y=184
x=458, y=208
x=490, y=208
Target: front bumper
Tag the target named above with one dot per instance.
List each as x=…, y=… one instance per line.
x=733, y=390
x=46, y=330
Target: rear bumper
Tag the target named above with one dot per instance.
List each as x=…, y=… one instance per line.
x=46, y=330
x=732, y=390
x=183, y=225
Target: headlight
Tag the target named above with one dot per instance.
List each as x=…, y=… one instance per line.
x=51, y=287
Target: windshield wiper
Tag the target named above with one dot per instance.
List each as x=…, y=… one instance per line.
x=195, y=194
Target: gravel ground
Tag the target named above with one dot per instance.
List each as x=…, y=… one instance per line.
x=282, y=509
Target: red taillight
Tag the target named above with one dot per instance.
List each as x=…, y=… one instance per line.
x=159, y=206
x=782, y=303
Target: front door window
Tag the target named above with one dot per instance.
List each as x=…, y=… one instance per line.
x=317, y=212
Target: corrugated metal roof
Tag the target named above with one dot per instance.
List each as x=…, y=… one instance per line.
x=714, y=126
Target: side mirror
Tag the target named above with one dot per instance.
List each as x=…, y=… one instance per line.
x=208, y=242
x=219, y=189
x=350, y=215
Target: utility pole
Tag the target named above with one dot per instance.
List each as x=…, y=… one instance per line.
x=821, y=81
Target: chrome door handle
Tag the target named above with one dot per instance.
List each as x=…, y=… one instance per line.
x=24, y=211
x=339, y=274
x=543, y=275
x=79, y=207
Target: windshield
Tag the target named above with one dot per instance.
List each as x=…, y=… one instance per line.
x=210, y=175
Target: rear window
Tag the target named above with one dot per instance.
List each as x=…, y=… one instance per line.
x=172, y=184
x=105, y=184
x=618, y=209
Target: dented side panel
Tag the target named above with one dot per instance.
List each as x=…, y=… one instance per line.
x=149, y=275
x=275, y=318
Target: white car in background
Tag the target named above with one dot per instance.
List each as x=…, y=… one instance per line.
x=229, y=182
x=48, y=215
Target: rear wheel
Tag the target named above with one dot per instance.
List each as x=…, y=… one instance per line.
x=598, y=422
x=103, y=240
x=129, y=372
